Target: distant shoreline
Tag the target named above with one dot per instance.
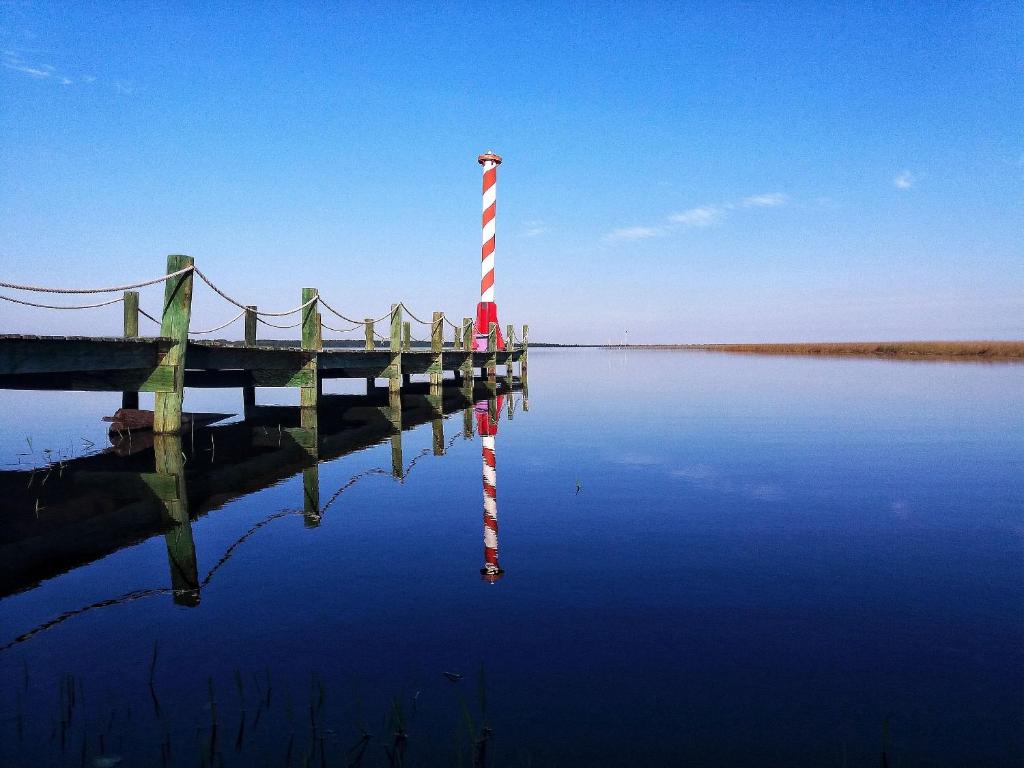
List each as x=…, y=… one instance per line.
x=945, y=350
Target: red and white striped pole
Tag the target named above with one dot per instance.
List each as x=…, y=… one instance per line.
x=487, y=310
x=488, y=429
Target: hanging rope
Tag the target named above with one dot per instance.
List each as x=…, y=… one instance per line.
x=144, y=313
x=335, y=312
x=225, y=325
x=275, y=325
x=409, y=312
x=59, y=306
x=113, y=289
x=340, y=330
x=238, y=304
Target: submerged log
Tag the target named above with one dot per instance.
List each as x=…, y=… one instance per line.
x=135, y=420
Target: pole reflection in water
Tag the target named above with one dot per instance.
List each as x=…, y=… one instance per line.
x=487, y=426
x=181, y=548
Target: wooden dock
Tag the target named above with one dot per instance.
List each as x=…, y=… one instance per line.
x=167, y=363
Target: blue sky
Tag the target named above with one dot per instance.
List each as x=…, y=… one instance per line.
x=684, y=172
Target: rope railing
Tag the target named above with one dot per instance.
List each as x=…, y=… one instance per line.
x=113, y=289
x=458, y=328
x=61, y=306
x=340, y=330
x=275, y=325
x=146, y=314
x=409, y=312
x=219, y=327
x=238, y=304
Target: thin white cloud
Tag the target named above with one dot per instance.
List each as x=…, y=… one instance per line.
x=905, y=180
x=38, y=71
x=634, y=233
x=533, y=229
x=769, y=200
x=701, y=216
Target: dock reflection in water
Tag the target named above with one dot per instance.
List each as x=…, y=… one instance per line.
x=75, y=512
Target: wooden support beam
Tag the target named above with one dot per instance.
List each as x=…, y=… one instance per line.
x=406, y=336
x=395, y=374
x=509, y=347
x=174, y=320
x=368, y=328
x=522, y=357
x=250, y=326
x=368, y=325
x=467, y=346
x=130, y=399
x=436, y=348
x=492, y=353
x=309, y=394
x=249, y=390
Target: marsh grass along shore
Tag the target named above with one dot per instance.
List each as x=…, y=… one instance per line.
x=945, y=350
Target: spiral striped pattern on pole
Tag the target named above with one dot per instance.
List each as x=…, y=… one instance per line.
x=491, y=570
x=487, y=428
x=490, y=162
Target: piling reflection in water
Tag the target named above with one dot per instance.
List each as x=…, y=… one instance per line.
x=169, y=461
x=60, y=518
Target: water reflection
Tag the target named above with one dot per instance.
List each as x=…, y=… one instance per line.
x=81, y=510
x=487, y=412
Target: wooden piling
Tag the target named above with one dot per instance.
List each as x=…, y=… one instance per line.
x=509, y=348
x=467, y=369
x=174, y=320
x=250, y=326
x=522, y=358
x=368, y=345
x=131, y=331
x=406, y=336
x=309, y=393
x=436, y=347
x=249, y=391
x=492, y=353
x=395, y=369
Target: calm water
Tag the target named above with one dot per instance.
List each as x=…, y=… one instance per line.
x=708, y=560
